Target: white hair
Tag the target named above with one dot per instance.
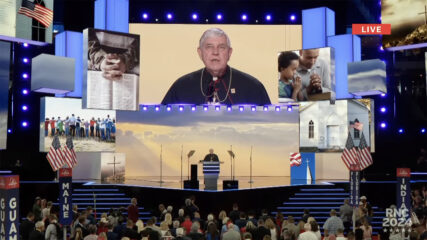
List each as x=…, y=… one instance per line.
x=179, y=232
x=210, y=217
x=181, y=212
x=217, y=32
x=39, y=224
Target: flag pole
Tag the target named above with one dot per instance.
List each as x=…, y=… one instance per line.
x=250, y=168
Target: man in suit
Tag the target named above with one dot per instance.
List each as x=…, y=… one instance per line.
x=27, y=226
x=211, y=157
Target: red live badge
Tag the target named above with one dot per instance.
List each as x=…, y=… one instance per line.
x=371, y=29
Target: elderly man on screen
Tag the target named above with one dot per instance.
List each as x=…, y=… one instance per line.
x=314, y=73
x=216, y=83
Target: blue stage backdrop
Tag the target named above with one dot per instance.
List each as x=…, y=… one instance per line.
x=4, y=90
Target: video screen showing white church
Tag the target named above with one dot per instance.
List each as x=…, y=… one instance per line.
x=324, y=126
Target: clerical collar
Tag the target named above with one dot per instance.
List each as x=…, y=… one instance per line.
x=208, y=76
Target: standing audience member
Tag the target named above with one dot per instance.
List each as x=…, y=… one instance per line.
x=133, y=213
x=110, y=234
x=37, y=211
x=241, y=222
x=231, y=233
x=306, y=215
x=212, y=232
x=92, y=233
x=346, y=214
x=261, y=230
x=367, y=230
x=332, y=223
x=291, y=227
x=234, y=214
x=195, y=233
x=51, y=230
x=269, y=224
x=129, y=231
x=27, y=226
x=340, y=234
x=38, y=233
x=46, y=210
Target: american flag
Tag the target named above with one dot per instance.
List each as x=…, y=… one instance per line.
x=69, y=153
x=55, y=156
x=364, y=154
x=37, y=12
x=349, y=155
x=295, y=159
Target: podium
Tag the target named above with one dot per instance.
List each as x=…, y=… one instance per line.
x=211, y=173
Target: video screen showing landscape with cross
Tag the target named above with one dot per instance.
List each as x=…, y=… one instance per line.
x=169, y=134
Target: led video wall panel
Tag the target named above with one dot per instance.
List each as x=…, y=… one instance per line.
x=18, y=26
x=170, y=51
x=146, y=135
x=92, y=130
x=4, y=90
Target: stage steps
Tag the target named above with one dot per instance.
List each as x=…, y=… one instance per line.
x=319, y=200
x=102, y=198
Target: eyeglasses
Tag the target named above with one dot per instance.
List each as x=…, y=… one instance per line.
x=219, y=48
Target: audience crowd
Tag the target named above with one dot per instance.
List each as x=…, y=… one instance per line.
x=186, y=223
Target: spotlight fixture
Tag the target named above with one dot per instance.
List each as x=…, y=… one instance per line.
x=219, y=17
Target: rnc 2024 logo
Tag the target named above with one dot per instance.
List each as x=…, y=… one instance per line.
x=397, y=220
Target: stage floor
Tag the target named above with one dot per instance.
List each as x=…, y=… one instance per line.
x=175, y=182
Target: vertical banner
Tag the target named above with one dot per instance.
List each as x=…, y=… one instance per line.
x=9, y=207
x=354, y=185
x=403, y=191
x=65, y=199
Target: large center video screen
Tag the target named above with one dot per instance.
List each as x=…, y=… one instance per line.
x=91, y=130
x=149, y=135
x=170, y=51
